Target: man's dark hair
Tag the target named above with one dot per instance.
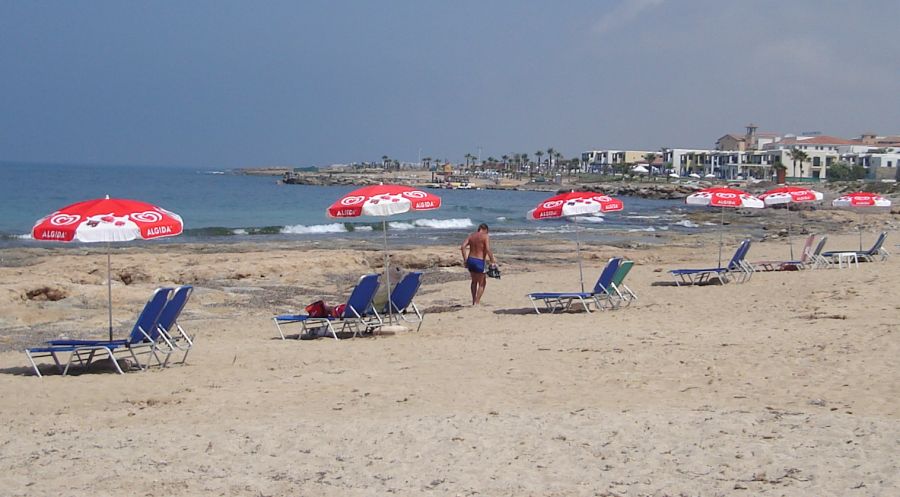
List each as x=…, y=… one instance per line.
x=483, y=226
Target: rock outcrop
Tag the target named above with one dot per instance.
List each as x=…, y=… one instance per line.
x=662, y=191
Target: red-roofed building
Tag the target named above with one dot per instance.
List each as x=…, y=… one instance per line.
x=821, y=142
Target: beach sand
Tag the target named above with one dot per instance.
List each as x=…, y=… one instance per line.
x=784, y=385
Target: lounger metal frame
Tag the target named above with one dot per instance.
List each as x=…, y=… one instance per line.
x=626, y=295
x=172, y=334
x=398, y=295
x=877, y=250
x=144, y=335
x=738, y=268
x=562, y=301
x=357, y=320
x=785, y=265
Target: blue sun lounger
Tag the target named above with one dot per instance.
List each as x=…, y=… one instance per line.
x=171, y=333
x=738, y=266
x=877, y=250
x=801, y=263
x=402, y=304
x=144, y=335
x=620, y=293
x=356, y=317
x=561, y=301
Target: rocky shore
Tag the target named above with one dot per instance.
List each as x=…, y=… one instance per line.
x=661, y=191
x=649, y=189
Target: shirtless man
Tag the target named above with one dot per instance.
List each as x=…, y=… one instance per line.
x=479, y=249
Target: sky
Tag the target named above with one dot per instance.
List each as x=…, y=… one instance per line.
x=229, y=84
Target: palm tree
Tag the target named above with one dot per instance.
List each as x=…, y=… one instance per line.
x=384, y=160
x=650, y=157
x=505, y=162
x=797, y=155
x=779, y=172
x=539, y=154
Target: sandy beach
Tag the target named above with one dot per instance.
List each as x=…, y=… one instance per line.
x=784, y=385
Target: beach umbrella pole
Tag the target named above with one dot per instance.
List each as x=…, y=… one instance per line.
x=790, y=229
x=109, y=289
x=387, y=273
x=578, y=251
x=860, y=232
x=721, y=235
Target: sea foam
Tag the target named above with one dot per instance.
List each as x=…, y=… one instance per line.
x=300, y=229
x=589, y=219
x=438, y=224
x=687, y=223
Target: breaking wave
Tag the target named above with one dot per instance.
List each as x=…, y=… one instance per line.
x=589, y=219
x=687, y=223
x=300, y=229
x=438, y=224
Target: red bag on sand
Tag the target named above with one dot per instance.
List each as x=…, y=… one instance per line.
x=317, y=309
x=338, y=310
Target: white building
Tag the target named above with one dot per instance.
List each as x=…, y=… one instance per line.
x=602, y=161
x=821, y=151
x=879, y=163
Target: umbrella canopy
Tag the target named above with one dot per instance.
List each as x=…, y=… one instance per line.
x=383, y=201
x=573, y=204
x=861, y=200
x=694, y=175
x=725, y=198
x=640, y=169
x=790, y=195
x=108, y=220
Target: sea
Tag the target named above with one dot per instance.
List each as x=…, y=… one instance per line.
x=224, y=206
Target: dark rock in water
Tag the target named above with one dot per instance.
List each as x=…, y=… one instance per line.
x=327, y=179
x=666, y=191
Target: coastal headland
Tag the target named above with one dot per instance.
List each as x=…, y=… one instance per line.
x=631, y=186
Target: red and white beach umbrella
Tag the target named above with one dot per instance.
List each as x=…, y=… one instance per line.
x=861, y=200
x=383, y=201
x=790, y=195
x=724, y=197
x=573, y=204
x=731, y=198
x=108, y=220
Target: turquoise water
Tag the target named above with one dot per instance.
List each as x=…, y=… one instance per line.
x=223, y=206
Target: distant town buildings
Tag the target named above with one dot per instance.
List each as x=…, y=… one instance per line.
x=805, y=157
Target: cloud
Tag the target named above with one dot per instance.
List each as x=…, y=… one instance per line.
x=624, y=13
